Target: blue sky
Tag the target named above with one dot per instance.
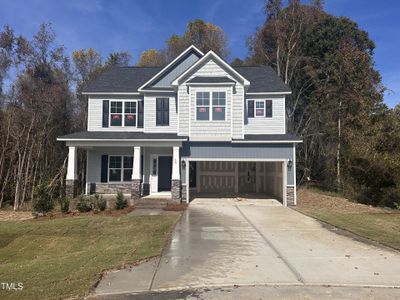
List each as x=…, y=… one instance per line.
x=134, y=26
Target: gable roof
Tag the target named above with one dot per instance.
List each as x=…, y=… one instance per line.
x=263, y=79
x=211, y=79
x=172, y=65
x=121, y=80
x=210, y=55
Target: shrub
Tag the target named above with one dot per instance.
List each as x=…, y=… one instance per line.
x=84, y=204
x=64, y=204
x=99, y=203
x=120, y=202
x=42, y=201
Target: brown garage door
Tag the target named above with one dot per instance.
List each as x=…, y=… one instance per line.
x=216, y=176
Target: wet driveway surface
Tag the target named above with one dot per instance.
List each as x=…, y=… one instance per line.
x=224, y=242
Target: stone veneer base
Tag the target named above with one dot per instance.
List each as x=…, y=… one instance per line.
x=71, y=188
x=136, y=193
x=175, y=191
x=290, y=195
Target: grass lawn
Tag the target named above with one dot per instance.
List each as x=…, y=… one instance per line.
x=382, y=225
x=65, y=257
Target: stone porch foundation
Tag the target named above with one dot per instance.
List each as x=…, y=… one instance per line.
x=175, y=191
x=136, y=190
x=71, y=188
x=290, y=196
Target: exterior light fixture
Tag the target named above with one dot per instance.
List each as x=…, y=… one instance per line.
x=290, y=163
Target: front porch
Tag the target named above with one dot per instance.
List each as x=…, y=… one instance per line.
x=149, y=170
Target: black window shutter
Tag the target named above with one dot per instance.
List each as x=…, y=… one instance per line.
x=166, y=111
x=105, y=113
x=140, y=114
x=162, y=111
x=104, y=168
x=268, y=108
x=250, y=109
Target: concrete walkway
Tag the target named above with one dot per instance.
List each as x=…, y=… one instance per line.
x=223, y=242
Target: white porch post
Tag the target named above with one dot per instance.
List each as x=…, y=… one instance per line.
x=175, y=176
x=72, y=172
x=175, y=164
x=136, y=172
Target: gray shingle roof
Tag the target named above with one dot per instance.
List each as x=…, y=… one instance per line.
x=115, y=135
x=210, y=79
x=262, y=79
x=129, y=79
x=121, y=79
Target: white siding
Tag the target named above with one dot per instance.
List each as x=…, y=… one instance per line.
x=274, y=125
x=183, y=110
x=150, y=114
x=215, y=130
x=95, y=116
x=220, y=130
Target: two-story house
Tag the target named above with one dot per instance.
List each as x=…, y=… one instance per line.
x=195, y=127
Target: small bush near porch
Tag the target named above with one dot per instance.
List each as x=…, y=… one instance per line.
x=65, y=257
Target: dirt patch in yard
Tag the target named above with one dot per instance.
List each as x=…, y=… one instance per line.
x=316, y=200
x=9, y=215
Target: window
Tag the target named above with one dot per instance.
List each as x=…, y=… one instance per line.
x=162, y=111
x=116, y=113
x=120, y=168
x=203, y=106
x=218, y=106
x=130, y=113
x=260, y=109
x=123, y=113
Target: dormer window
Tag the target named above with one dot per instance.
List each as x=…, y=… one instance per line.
x=123, y=113
x=217, y=106
x=203, y=106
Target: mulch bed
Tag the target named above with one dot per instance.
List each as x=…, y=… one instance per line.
x=75, y=213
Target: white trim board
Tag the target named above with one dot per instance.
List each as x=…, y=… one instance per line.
x=210, y=54
x=270, y=93
x=141, y=88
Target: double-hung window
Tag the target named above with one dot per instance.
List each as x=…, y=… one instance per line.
x=130, y=113
x=120, y=168
x=260, y=108
x=116, y=113
x=123, y=113
x=218, y=106
x=203, y=106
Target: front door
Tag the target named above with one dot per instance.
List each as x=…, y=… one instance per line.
x=164, y=173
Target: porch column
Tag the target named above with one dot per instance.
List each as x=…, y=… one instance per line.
x=176, y=177
x=136, y=188
x=71, y=180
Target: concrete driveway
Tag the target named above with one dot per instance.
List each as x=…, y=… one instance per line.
x=225, y=242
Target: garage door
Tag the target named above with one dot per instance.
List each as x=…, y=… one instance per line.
x=240, y=177
x=216, y=177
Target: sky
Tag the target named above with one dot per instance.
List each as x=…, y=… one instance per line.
x=137, y=25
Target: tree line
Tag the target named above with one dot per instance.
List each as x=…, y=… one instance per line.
x=351, y=139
